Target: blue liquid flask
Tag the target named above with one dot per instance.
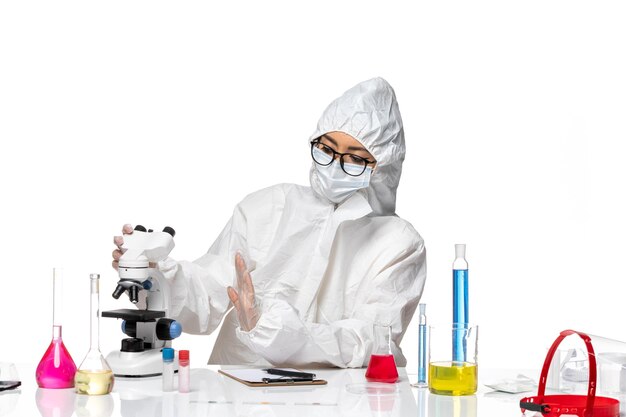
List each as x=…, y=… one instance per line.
x=460, y=308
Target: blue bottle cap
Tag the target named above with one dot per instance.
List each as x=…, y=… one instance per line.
x=168, y=354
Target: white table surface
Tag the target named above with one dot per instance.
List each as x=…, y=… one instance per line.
x=216, y=395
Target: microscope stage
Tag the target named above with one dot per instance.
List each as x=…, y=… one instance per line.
x=134, y=315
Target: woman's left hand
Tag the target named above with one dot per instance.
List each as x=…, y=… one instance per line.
x=243, y=298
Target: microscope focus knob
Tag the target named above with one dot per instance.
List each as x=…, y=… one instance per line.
x=132, y=344
x=169, y=230
x=168, y=329
x=129, y=328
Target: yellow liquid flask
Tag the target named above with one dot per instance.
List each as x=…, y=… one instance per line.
x=445, y=375
x=453, y=378
x=94, y=376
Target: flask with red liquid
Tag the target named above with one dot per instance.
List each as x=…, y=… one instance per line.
x=56, y=368
x=382, y=365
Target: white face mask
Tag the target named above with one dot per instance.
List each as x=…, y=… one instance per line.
x=336, y=185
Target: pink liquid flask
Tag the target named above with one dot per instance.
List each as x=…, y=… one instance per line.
x=56, y=368
x=382, y=365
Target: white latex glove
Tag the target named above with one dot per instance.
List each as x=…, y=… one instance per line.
x=243, y=298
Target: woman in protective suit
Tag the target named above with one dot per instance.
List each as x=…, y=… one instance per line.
x=315, y=267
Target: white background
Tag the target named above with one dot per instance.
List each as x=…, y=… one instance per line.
x=169, y=113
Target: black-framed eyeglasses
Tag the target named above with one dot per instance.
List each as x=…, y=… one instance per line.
x=351, y=164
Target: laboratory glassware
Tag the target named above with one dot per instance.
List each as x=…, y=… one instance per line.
x=421, y=351
x=447, y=376
x=56, y=368
x=94, y=376
x=460, y=307
x=9, y=378
x=382, y=365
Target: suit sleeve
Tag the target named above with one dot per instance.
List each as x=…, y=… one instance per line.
x=198, y=298
x=390, y=297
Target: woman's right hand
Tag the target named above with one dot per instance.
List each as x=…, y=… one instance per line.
x=119, y=241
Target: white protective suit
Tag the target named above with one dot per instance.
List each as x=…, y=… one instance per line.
x=323, y=273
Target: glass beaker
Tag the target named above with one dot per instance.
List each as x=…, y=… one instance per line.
x=447, y=376
x=382, y=365
x=94, y=376
x=56, y=368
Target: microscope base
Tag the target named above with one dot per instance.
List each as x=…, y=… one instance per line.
x=138, y=364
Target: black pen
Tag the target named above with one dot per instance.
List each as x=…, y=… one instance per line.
x=283, y=372
x=286, y=380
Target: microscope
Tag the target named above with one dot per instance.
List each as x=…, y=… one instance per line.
x=148, y=330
